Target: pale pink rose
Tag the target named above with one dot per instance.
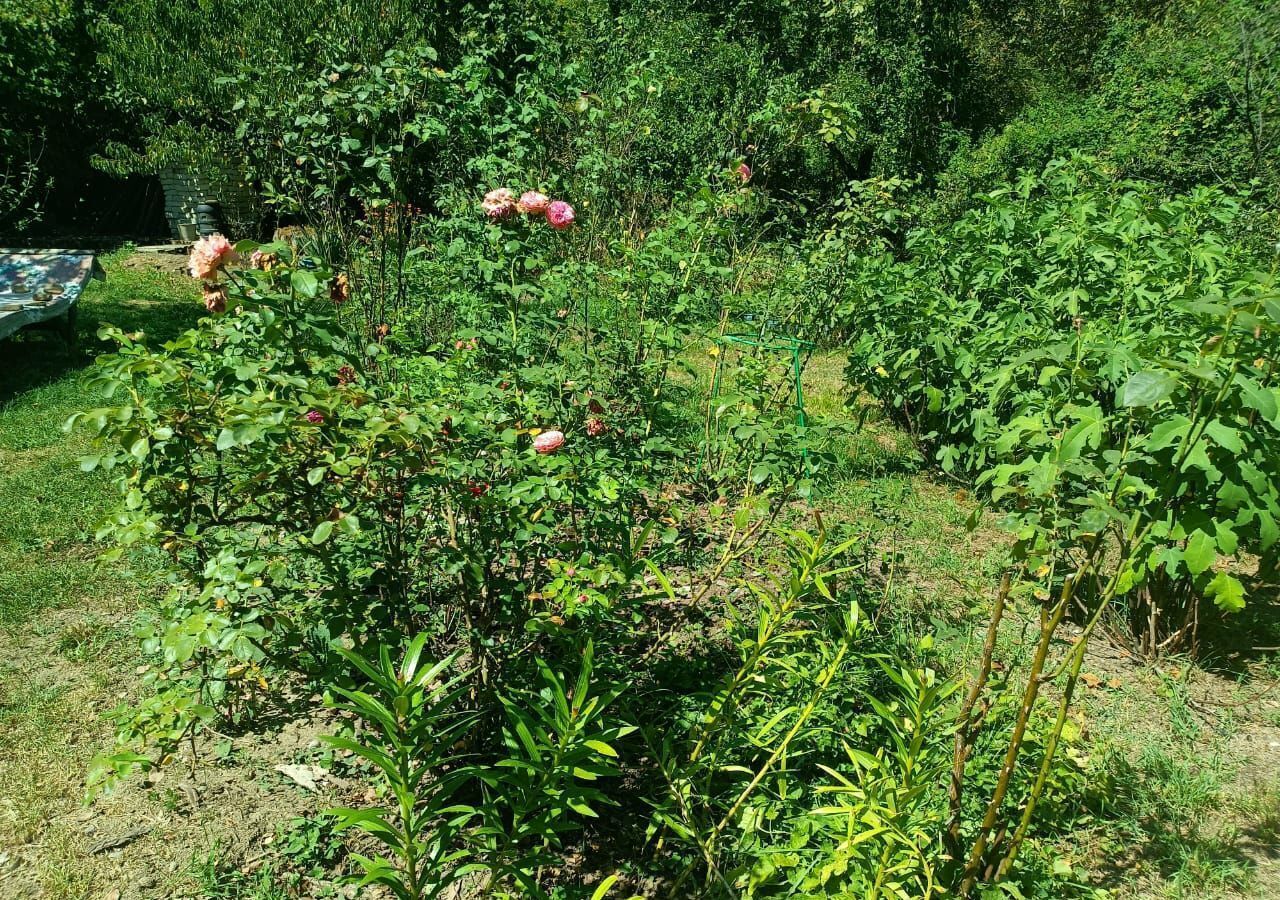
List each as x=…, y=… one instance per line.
x=499, y=203
x=744, y=172
x=209, y=255
x=214, y=295
x=548, y=441
x=559, y=215
x=531, y=203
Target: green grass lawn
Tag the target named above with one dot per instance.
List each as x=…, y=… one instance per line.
x=65, y=618
x=47, y=558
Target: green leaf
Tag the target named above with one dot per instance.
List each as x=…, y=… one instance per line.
x=603, y=888
x=662, y=579
x=1225, y=536
x=1201, y=551
x=1168, y=432
x=1224, y=436
x=1268, y=530
x=1257, y=397
x=526, y=738
x=304, y=282
x=582, y=809
x=1198, y=458
x=322, y=532
x=1147, y=388
x=1084, y=433
x=1227, y=592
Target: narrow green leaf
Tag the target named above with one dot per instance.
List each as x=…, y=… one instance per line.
x=603, y=888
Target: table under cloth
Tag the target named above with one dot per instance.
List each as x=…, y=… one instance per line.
x=42, y=285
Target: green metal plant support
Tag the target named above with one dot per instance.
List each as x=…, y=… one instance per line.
x=772, y=344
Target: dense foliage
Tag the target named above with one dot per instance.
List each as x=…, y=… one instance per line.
x=1067, y=337
x=630, y=102
x=1182, y=98
x=499, y=444
x=517, y=496
x=44, y=80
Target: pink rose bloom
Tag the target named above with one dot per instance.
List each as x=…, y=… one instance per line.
x=315, y=417
x=559, y=215
x=531, y=203
x=549, y=441
x=744, y=172
x=215, y=297
x=209, y=255
x=499, y=204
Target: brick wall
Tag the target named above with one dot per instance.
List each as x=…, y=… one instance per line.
x=184, y=190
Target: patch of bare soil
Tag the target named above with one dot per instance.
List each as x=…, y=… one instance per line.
x=140, y=842
x=173, y=262
x=1223, y=724
x=142, y=839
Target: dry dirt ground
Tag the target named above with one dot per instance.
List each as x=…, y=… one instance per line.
x=147, y=839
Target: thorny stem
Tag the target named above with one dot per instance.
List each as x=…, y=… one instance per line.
x=964, y=720
x=1049, y=622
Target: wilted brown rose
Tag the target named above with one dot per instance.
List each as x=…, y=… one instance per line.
x=215, y=296
x=340, y=289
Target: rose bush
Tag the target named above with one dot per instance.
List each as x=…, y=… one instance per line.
x=324, y=485
x=268, y=439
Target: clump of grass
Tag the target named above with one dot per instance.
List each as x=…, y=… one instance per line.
x=1260, y=807
x=1164, y=811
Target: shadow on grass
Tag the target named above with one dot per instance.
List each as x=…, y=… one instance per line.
x=1235, y=643
x=162, y=306
x=871, y=451
x=1164, y=804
